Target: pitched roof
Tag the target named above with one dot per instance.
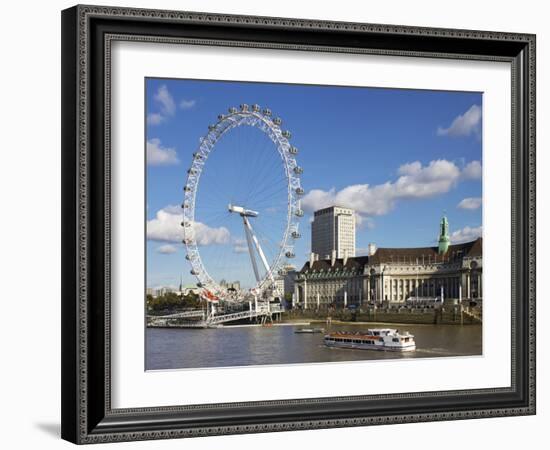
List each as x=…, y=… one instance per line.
x=412, y=254
x=357, y=262
x=396, y=255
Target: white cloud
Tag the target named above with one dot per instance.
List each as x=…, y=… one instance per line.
x=466, y=234
x=465, y=124
x=363, y=221
x=166, y=227
x=165, y=101
x=415, y=182
x=157, y=155
x=205, y=235
x=166, y=104
x=472, y=171
x=167, y=249
x=240, y=245
x=409, y=168
x=154, y=118
x=187, y=104
x=470, y=203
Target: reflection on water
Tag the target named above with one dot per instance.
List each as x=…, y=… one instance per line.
x=172, y=348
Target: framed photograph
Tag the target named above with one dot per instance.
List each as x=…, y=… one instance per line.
x=281, y=224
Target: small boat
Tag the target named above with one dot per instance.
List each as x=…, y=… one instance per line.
x=386, y=339
x=309, y=330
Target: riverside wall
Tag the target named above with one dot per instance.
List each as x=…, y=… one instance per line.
x=442, y=316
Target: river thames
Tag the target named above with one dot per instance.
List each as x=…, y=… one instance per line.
x=179, y=348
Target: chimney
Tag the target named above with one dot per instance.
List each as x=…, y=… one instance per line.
x=371, y=248
x=312, y=259
x=345, y=256
x=333, y=258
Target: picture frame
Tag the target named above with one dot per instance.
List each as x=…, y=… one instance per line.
x=87, y=35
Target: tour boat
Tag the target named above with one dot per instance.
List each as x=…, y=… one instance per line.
x=374, y=339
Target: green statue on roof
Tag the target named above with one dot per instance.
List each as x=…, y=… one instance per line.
x=444, y=239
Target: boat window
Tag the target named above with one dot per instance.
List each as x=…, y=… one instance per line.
x=395, y=340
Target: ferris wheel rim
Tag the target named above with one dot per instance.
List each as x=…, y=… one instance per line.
x=262, y=120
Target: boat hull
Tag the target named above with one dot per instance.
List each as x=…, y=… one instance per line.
x=383, y=348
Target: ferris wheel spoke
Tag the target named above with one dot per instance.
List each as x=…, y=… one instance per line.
x=272, y=166
x=261, y=161
x=267, y=185
x=264, y=173
x=267, y=195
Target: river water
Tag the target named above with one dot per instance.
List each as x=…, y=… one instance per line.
x=176, y=348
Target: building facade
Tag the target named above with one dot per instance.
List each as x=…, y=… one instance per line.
x=233, y=285
x=394, y=276
x=333, y=230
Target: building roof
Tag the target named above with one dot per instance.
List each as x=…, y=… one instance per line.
x=332, y=208
x=412, y=254
x=357, y=262
x=403, y=255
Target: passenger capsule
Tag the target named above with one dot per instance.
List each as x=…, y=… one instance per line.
x=296, y=235
x=192, y=171
x=299, y=213
x=287, y=134
x=293, y=150
x=221, y=117
x=277, y=121
x=211, y=127
x=267, y=112
x=298, y=170
x=187, y=257
x=187, y=188
x=194, y=272
x=185, y=205
x=256, y=107
x=299, y=191
x=244, y=107
x=233, y=110
x=290, y=254
x=197, y=156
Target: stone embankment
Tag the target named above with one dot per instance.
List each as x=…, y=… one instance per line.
x=451, y=315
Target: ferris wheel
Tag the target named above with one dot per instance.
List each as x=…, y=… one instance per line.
x=241, y=206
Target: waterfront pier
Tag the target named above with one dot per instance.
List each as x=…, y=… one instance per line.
x=204, y=318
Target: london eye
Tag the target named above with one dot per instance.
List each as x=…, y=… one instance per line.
x=241, y=206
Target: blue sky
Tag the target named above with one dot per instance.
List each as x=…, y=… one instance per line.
x=400, y=158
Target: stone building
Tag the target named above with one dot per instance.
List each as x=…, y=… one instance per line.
x=394, y=275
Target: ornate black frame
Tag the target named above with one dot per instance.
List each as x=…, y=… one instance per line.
x=87, y=31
